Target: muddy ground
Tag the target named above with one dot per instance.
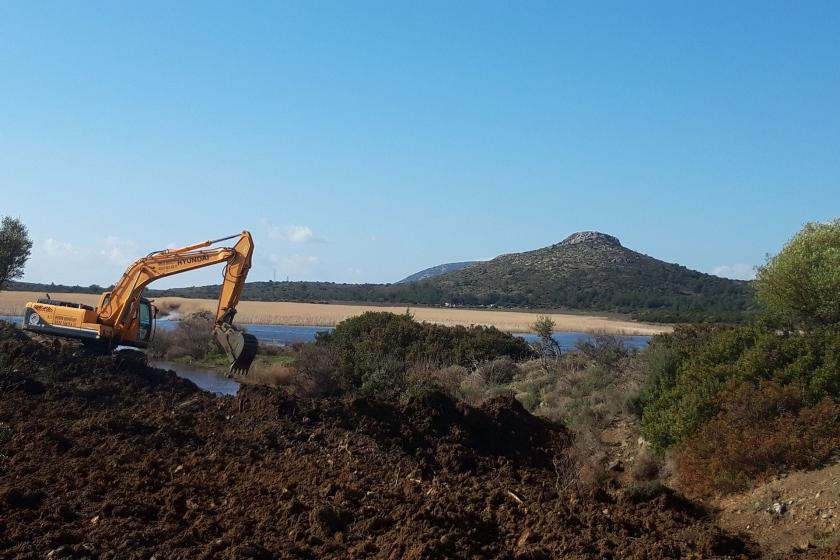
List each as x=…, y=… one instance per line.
x=106, y=458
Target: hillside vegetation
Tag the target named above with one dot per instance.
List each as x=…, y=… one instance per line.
x=593, y=271
x=739, y=404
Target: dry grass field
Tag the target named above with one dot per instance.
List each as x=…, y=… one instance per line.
x=316, y=314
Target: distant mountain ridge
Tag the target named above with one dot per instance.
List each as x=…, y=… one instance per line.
x=436, y=271
x=587, y=271
x=593, y=270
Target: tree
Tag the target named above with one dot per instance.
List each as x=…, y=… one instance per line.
x=802, y=282
x=15, y=247
x=548, y=347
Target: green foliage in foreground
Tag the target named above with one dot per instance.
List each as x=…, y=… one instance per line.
x=374, y=350
x=690, y=368
x=794, y=344
x=802, y=282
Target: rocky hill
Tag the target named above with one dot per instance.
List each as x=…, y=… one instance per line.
x=436, y=271
x=592, y=270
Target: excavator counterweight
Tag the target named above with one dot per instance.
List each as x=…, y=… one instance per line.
x=125, y=318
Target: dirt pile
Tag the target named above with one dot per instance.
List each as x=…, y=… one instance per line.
x=793, y=512
x=105, y=458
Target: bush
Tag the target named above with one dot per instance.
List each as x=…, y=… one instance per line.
x=759, y=431
x=546, y=346
x=578, y=391
x=316, y=365
x=386, y=381
x=742, y=403
x=192, y=336
x=374, y=350
x=690, y=368
x=802, y=282
x=605, y=350
x=499, y=371
x=474, y=390
x=448, y=379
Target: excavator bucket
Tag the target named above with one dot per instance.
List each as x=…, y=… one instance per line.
x=240, y=347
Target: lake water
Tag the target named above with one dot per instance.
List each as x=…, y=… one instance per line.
x=282, y=335
x=205, y=379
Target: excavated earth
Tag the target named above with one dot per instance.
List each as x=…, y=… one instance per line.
x=107, y=458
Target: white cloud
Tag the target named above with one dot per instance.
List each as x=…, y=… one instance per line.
x=298, y=234
x=738, y=271
x=293, y=234
x=54, y=248
x=120, y=252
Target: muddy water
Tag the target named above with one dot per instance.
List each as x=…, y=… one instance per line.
x=205, y=379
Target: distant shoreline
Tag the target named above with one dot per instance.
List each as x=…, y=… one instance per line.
x=328, y=315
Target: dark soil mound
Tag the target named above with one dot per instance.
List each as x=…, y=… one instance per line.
x=106, y=458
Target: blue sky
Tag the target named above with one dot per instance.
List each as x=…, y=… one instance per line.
x=363, y=141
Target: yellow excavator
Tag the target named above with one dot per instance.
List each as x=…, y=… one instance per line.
x=125, y=318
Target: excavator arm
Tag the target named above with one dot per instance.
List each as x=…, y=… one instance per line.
x=116, y=308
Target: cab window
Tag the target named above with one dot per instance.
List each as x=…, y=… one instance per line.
x=145, y=320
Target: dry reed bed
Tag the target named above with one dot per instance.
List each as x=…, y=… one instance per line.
x=317, y=314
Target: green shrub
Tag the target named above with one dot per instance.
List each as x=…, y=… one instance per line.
x=192, y=336
x=802, y=282
x=447, y=379
x=530, y=399
x=474, y=390
x=742, y=402
x=499, y=371
x=605, y=350
x=317, y=366
x=374, y=350
x=690, y=368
